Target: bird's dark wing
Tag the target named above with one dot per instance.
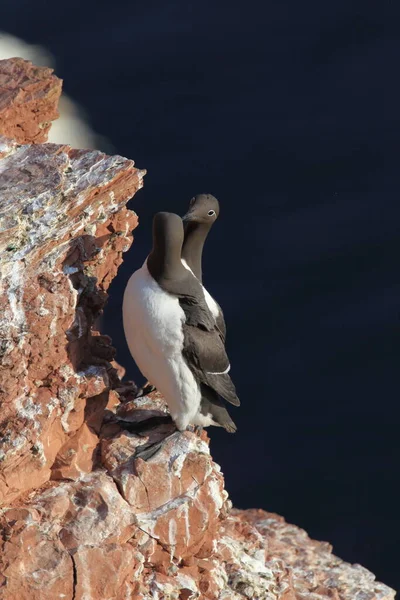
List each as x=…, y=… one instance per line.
x=196, y=312
x=204, y=348
x=191, y=299
x=224, y=386
x=205, y=354
x=220, y=322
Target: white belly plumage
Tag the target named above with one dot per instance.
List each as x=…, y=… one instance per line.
x=153, y=329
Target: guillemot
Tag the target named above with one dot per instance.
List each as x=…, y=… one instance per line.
x=172, y=334
x=202, y=214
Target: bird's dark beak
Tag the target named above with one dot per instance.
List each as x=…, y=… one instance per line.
x=190, y=216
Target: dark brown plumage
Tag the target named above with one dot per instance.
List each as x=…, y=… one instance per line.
x=202, y=214
x=204, y=349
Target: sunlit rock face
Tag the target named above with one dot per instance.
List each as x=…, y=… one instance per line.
x=83, y=516
x=71, y=126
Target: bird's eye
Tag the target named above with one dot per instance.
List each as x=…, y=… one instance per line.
x=211, y=213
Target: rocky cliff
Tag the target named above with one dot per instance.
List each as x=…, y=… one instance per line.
x=82, y=516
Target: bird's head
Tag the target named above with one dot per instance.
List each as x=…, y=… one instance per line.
x=203, y=208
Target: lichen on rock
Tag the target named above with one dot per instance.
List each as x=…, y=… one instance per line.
x=82, y=516
x=63, y=228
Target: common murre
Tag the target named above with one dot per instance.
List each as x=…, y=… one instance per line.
x=172, y=334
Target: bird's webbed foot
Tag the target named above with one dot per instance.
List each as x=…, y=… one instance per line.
x=147, y=389
x=196, y=429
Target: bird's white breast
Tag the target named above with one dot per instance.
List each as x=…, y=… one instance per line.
x=156, y=314
x=153, y=322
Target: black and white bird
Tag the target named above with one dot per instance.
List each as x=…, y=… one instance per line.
x=202, y=214
x=172, y=334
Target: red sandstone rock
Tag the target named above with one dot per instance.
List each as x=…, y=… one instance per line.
x=60, y=246
x=83, y=516
x=138, y=409
x=34, y=563
x=77, y=455
x=105, y=572
x=28, y=100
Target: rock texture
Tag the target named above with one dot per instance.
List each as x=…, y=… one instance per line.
x=83, y=516
x=63, y=228
x=28, y=100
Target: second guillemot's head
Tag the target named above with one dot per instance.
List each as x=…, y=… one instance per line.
x=203, y=208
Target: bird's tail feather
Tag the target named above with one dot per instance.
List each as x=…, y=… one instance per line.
x=212, y=404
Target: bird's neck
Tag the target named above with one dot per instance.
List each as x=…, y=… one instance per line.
x=192, y=249
x=164, y=261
